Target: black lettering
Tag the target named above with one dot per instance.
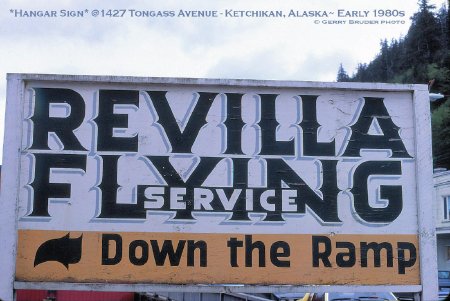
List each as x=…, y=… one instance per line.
x=249, y=247
x=167, y=250
x=403, y=262
x=197, y=245
x=63, y=127
x=109, y=206
x=134, y=245
x=240, y=181
x=346, y=259
x=42, y=188
x=233, y=244
x=374, y=109
x=107, y=120
x=317, y=254
x=376, y=248
x=268, y=125
x=326, y=209
x=392, y=193
x=106, y=243
x=181, y=141
x=310, y=127
x=173, y=179
x=234, y=124
x=275, y=255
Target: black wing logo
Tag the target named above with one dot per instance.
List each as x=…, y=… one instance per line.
x=64, y=250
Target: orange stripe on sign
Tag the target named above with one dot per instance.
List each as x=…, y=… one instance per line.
x=190, y=258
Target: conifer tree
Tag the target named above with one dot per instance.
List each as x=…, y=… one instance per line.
x=423, y=55
x=342, y=75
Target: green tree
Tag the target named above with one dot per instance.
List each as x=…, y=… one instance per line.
x=342, y=75
x=440, y=121
x=362, y=75
x=421, y=56
x=422, y=40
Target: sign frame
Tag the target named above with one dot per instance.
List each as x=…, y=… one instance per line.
x=11, y=169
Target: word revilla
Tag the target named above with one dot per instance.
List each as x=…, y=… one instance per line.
x=282, y=191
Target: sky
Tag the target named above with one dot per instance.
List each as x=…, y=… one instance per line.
x=227, y=45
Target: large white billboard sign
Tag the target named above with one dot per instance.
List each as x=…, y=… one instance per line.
x=177, y=181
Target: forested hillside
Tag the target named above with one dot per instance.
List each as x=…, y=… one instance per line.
x=422, y=56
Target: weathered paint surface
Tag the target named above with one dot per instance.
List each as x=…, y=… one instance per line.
x=243, y=182
x=174, y=258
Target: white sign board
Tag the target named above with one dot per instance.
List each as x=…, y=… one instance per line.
x=145, y=181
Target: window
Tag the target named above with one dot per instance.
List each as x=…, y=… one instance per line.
x=447, y=208
x=443, y=274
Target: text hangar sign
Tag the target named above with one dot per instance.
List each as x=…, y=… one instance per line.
x=178, y=181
